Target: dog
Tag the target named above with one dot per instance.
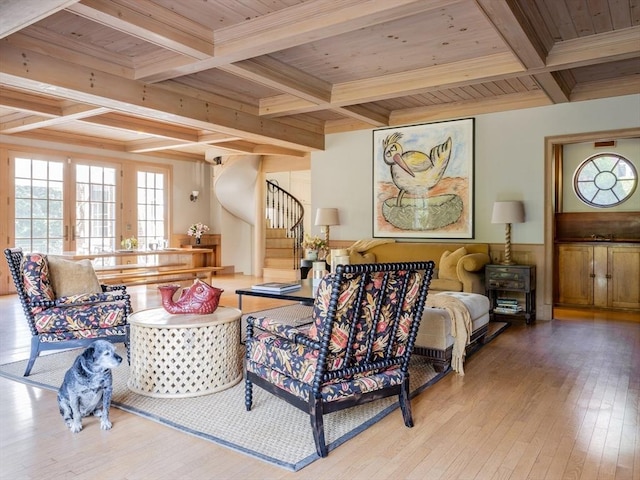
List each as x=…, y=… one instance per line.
x=87, y=386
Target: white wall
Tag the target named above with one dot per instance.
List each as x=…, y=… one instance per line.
x=509, y=165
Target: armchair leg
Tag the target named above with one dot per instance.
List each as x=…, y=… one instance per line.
x=35, y=351
x=405, y=403
x=248, y=394
x=317, y=425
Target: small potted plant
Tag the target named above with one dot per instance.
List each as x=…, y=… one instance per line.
x=196, y=230
x=312, y=247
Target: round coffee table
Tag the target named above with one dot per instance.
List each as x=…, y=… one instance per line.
x=184, y=355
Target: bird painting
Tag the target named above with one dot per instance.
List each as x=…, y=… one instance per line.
x=414, y=173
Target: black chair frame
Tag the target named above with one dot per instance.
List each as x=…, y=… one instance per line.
x=315, y=406
x=14, y=258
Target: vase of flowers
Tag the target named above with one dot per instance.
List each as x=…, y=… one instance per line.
x=196, y=230
x=313, y=246
x=129, y=243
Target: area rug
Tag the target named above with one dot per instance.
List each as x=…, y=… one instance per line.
x=273, y=431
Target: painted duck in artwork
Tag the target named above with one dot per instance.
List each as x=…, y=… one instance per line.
x=415, y=172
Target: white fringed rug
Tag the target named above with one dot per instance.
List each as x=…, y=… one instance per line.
x=273, y=431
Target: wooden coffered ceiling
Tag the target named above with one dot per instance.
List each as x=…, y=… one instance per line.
x=195, y=78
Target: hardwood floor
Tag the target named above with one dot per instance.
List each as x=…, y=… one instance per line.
x=557, y=400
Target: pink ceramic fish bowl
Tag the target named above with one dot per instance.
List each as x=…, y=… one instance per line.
x=198, y=298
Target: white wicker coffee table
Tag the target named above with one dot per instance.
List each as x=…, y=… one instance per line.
x=184, y=355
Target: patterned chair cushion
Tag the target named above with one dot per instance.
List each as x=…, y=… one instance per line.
x=80, y=318
x=331, y=391
x=82, y=334
x=35, y=275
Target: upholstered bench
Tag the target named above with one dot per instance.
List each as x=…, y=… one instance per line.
x=435, y=339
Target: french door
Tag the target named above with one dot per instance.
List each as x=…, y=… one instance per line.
x=65, y=205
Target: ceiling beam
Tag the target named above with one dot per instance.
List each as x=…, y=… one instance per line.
x=145, y=127
x=578, y=52
x=37, y=122
x=155, y=144
x=469, y=107
x=595, y=49
x=152, y=23
x=280, y=76
x=18, y=14
x=416, y=81
x=26, y=102
x=519, y=36
x=296, y=25
x=554, y=86
x=38, y=73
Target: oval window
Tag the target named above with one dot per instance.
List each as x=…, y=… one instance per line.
x=605, y=180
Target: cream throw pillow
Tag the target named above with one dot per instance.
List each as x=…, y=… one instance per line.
x=72, y=278
x=448, y=263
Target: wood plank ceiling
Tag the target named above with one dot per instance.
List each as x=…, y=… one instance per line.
x=195, y=79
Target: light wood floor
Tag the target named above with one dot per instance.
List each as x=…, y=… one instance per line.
x=557, y=400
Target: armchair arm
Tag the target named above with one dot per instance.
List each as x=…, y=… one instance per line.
x=113, y=288
x=469, y=270
x=88, y=298
x=275, y=327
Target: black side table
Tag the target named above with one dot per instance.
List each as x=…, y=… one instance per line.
x=511, y=278
x=305, y=267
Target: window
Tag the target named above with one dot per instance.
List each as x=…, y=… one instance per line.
x=605, y=180
x=151, y=209
x=39, y=212
x=87, y=206
x=95, y=225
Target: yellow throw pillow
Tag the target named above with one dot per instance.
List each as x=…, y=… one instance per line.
x=448, y=263
x=72, y=278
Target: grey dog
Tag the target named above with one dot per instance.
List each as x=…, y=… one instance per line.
x=87, y=386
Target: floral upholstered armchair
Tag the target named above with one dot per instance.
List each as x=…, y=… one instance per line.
x=365, y=321
x=64, y=303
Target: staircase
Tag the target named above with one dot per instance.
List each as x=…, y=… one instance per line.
x=279, y=260
x=283, y=235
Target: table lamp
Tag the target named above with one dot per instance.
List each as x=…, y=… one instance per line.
x=325, y=217
x=507, y=213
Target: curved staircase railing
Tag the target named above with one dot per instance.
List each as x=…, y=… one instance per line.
x=284, y=211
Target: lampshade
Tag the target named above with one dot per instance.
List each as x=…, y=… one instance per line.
x=327, y=216
x=507, y=212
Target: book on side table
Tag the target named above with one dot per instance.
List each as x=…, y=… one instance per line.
x=276, y=287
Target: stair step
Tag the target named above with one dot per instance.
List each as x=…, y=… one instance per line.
x=280, y=243
x=278, y=253
x=284, y=262
x=276, y=233
x=280, y=274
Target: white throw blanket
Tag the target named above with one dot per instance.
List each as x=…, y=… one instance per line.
x=460, y=326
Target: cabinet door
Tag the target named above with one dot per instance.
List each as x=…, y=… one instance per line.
x=624, y=277
x=575, y=274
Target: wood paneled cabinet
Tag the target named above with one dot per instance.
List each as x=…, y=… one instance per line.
x=604, y=276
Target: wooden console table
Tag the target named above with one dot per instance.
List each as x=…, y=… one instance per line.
x=133, y=267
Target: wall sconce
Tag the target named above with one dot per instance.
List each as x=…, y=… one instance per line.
x=507, y=213
x=194, y=195
x=326, y=217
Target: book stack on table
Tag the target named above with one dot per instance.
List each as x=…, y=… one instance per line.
x=508, y=306
x=276, y=287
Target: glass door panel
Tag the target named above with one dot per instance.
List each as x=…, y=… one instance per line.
x=39, y=207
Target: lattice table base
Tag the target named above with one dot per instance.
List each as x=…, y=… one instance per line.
x=184, y=355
